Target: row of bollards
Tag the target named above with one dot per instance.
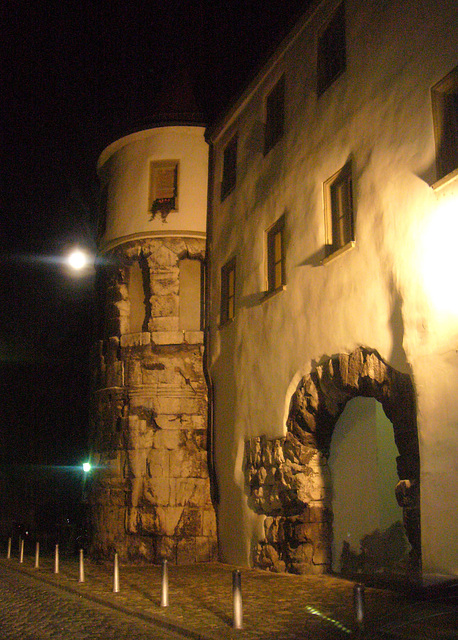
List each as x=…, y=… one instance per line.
x=237, y=617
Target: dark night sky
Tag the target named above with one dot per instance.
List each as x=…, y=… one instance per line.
x=75, y=76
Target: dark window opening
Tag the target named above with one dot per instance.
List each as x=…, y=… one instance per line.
x=228, y=291
x=331, y=51
x=275, y=115
x=445, y=113
x=229, y=168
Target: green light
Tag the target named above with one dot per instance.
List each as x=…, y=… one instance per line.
x=86, y=467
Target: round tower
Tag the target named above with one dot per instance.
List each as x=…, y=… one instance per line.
x=150, y=494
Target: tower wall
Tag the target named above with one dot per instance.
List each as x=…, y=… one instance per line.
x=150, y=495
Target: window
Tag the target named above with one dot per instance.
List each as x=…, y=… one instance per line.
x=276, y=256
x=339, y=210
x=445, y=114
x=228, y=292
x=163, y=196
x=275, y=115
x=331, y=51
x=229, y=168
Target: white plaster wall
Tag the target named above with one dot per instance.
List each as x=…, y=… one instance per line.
x=125, y=166
x=378, y=113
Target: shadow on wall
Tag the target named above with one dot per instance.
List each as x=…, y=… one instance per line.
x=380, y=550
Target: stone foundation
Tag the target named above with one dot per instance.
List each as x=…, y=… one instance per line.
x=150, y=495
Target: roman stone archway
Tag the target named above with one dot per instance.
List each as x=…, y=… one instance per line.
x=289, y=480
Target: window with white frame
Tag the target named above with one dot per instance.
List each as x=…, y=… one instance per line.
x=163, y=191
x=339, y=215
x=276, y=256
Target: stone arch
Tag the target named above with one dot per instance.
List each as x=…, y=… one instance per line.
x=289, y=479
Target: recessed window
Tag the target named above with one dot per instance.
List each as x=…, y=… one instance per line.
x=276, y=256
x=331, y=55
x=163, y=195
x=229, y=168
x=275, y=115
x=228, y=291
x=445, y=114
x=338, y=194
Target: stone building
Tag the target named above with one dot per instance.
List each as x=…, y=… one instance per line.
x=150, y=490
x=331, y=317
x=332, y=308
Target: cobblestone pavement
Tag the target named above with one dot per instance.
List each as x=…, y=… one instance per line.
x=34, y=610
x=275, y=606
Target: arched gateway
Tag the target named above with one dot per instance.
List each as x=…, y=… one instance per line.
x=289, y=478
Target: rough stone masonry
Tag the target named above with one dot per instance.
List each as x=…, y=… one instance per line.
x=150, y=494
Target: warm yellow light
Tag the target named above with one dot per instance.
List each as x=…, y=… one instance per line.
x=439, y=257
x=77, y=260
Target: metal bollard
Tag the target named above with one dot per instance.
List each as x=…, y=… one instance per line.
x=56, y=559
x=116, y=574
x=8, y=553
x=81, y=567
x=21, y=552
x=19, y=544
x=237, y=621
x=165, y=584
x=37, y=555
x=359, y=604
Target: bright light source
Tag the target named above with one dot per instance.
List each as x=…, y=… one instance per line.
x=439, y=257
x=77, y=260
x=86, y=467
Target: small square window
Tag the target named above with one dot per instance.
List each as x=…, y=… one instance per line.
x=228, y=292
x=339, y=210
x=275, y=115
x=163, y=194
x=331, y=55
x=229, y=168
x=276, y=256
x=445, y=114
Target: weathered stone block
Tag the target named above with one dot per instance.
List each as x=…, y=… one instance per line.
x=203, y=549
x=167, y=337
x=169, y=323
x=194, y=337
x=169, y=518
x=190, y=491
x=186, y=551
x=134, y=373
x=164, y=307
x=321, y=554
x=190, y=522
x=157, y=491
x=187, y=463
x=158, y=463
x=166, y=549
x=168, y=422
x=209, y=523
x=165, y=282
x=169, y=439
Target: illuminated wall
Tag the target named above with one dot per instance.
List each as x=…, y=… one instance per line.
x=393, y=290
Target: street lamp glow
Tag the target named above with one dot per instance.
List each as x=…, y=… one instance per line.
x=77, y=260
x=86, y=467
